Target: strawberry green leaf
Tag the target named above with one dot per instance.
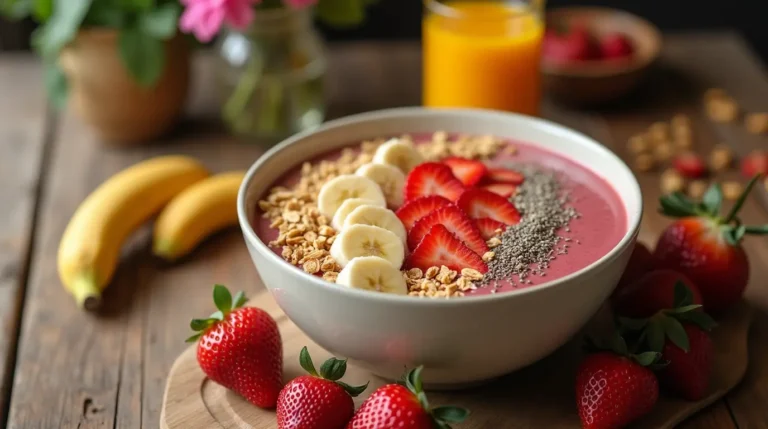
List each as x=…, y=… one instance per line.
x=677, y=205
x=756, y=229
x=740, y=201
x=713, y=200
x=217, y=315
x=413, y=383
x=193, y=338
x=684, y=309
x=239, y=300
x=683, y=295
x=353, y=391
x=618, y=344
x=450, y=414
x=674, y=330
x=655, y=335
x=306, y=362
x=333, y=369
x=199, y=324
x=733, y=235
x=698, y=318
x=646, y=358
x=632, y=324
x=222, y=298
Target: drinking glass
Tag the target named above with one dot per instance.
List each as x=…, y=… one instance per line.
x=483, y=53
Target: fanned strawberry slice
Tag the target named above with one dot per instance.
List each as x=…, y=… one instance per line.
x=432, y=178
x=418, y=208
x=504, y=175
x=468, y=171
x=506, y=190
x=455, y=221
x=488, y=227
x=478, y=203
x=440, y=247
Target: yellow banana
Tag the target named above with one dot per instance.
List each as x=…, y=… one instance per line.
x=196, y=213
x=91, y=244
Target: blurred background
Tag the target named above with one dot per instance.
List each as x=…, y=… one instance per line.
x=401, y=19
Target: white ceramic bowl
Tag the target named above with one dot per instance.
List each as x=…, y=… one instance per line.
x=459, y=341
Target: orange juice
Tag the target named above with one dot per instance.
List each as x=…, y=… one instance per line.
x=482, y=54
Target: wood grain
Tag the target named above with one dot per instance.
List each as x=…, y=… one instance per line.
x=23, y=124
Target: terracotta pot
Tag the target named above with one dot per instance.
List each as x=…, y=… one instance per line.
x=107, y=97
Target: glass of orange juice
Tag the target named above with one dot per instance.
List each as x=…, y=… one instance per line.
x=483, y=53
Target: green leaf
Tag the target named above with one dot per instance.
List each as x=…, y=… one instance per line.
x=217, y=315
x=619, y=345
x=16, y=9
x=756, y=229
x=354, y=391
x=160, y=22
x=137, y=5
x=632, y=324
x=713, y=199
x=450, y=414
x=646, y=358
x=341, y=13
x=683, y=295
x=306, y=362
x=740, y=201
x=333, y=369
x=655, y=335
x=143, y=56
x=239, y=300
x=698, y=318
x=222, y=298
x=62, y=26
x=199, y=324
x=193, y=338
x=56, y=83
x=43, y=9
x=677, y=205
x=675, y=331
x=685, y=308
x=105, y=14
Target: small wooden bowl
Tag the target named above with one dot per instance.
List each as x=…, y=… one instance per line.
x=596, y=82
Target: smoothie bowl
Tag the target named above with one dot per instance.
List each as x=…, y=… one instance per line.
x=471, y=242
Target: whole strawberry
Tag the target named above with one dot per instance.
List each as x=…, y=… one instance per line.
x=404, y=406
x=706, y=246
x=615, y=388
x=317, y=401
x=688, y=371
x=653, y=292
x=240, y=348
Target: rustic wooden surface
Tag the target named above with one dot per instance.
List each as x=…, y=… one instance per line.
x=515, y=401
x=76, y=370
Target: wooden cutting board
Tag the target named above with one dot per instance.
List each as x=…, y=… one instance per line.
x=540, y=396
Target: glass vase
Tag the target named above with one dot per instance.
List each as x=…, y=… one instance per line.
x=271, y=76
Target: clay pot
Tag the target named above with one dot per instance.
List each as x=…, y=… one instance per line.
x=107, y=97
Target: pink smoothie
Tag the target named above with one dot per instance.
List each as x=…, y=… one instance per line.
x=601, y=224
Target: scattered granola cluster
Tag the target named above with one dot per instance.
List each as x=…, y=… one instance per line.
x=306, y=236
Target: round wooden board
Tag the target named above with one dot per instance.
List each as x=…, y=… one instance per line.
x=535, y=397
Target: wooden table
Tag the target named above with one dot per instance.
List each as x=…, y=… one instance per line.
x=63, y=368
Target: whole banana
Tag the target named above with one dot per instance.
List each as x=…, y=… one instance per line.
x=196, y=213
x=91, y=244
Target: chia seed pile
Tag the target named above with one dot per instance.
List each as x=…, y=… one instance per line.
x=527, y=248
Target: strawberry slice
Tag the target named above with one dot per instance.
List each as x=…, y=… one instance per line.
x=418, y=208
x=504, y=175
x=488, y=227
x=690, y=165
x=755, y=163
x=468, y=171
x=456, y=222
x=506, y=190
x=432, y=178
x=478, y=203
x=440, y=247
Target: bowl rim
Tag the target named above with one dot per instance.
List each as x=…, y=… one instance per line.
x=250, y=236
x=603, y=70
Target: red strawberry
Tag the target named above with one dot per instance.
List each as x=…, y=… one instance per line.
x=616, y=45
x=506, y=190
x=478, y=203
x=568, y=47
x=690, y=165
x=706, y=246
x=317, y=401
x=653, y=292
x=468, y=171
x=755, y=163
x=240, y=349
x=432, y=178
x=440, y=247
x=688, y=371
x=456, y=222
x=613, y=390
x=640, y=263
x=404, y=406
x=418, y=208
x=504, y=175
x=488, y=227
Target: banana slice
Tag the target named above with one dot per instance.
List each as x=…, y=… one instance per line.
x=335, y=191
x=389, y=178
x=376, y=216
x=346, y=208
x=400, y=154
x=366, y=240
x=374, y=274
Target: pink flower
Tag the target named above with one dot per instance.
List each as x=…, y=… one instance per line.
x=204, y=18
x=298, y=4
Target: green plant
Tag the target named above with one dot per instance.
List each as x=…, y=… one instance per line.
x=143, y=26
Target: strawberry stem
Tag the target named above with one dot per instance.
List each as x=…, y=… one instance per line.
x=743, y=197
x=441, y=416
